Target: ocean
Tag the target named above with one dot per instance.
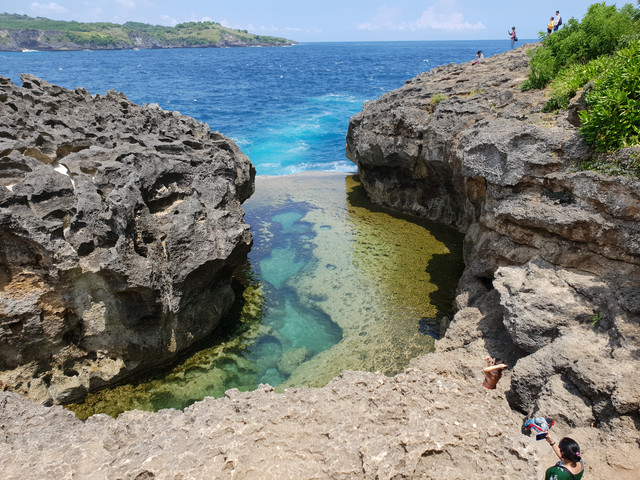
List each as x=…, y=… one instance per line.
x=287, y=108
x=332, y=283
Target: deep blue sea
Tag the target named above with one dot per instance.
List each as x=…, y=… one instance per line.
x=288, y=108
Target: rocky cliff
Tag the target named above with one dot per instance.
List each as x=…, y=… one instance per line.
x=551, y=286
x=120, y=226
x=552, y=280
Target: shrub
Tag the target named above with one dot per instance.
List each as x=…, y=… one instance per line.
x=436, y=98
x=570, y=80
x=543, y=69
x=603, y=29
x=612, y=118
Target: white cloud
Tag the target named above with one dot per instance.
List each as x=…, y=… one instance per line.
x=443, y=15
x=269, y=30
x=303, y=30
x=128, y=4
x=386, y=18
x=438, y=17
x=170, y=21
x=46, y=8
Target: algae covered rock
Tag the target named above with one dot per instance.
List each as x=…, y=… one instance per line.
x=292, y=359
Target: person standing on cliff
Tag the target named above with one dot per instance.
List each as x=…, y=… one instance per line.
x=493, y=372
x=557, y=21
x=512, y=36
x=550, y=26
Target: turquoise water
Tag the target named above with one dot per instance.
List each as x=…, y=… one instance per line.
x=331, y=283
x=295, y=326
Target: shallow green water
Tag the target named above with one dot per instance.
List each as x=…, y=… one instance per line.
x=331, y=283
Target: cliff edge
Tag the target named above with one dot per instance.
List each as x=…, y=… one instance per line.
x=552, y=253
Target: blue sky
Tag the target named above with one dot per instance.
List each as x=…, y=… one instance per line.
x=326, y=20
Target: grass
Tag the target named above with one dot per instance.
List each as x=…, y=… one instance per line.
x=436, y=98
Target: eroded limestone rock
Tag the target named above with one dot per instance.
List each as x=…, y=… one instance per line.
x=119, y=228
x=552, y=254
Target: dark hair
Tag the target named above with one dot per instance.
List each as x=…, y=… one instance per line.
x=569, y=449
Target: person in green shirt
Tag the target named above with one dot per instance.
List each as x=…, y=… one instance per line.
x=570, y=466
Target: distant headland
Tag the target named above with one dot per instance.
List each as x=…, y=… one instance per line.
x=24, y=33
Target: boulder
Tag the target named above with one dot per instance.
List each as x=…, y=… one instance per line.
x=120, y=226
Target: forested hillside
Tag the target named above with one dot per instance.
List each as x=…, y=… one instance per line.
x=21, y=32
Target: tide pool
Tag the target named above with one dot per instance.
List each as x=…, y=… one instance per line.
x=332, y=283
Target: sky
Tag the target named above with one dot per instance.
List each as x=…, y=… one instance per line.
x=326, y=20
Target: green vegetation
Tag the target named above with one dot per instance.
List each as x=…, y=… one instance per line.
x=112, y=35
x=612, y=120
x=475, y=91
x=602, y=55
x=624, y=162
x=437, y=98
x=596, y=318
x=603, y=30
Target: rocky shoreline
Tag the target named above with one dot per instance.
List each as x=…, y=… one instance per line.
x=552, y=276
x=556, y=247
x=551, y=286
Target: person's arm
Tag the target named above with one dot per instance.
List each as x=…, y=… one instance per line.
x=500, y=366
x=554, y=445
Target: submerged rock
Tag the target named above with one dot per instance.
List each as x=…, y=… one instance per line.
x=120, y=226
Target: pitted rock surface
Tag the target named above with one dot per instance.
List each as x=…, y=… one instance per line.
x=552, y=253
x=434, y=421
x=120, y=226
